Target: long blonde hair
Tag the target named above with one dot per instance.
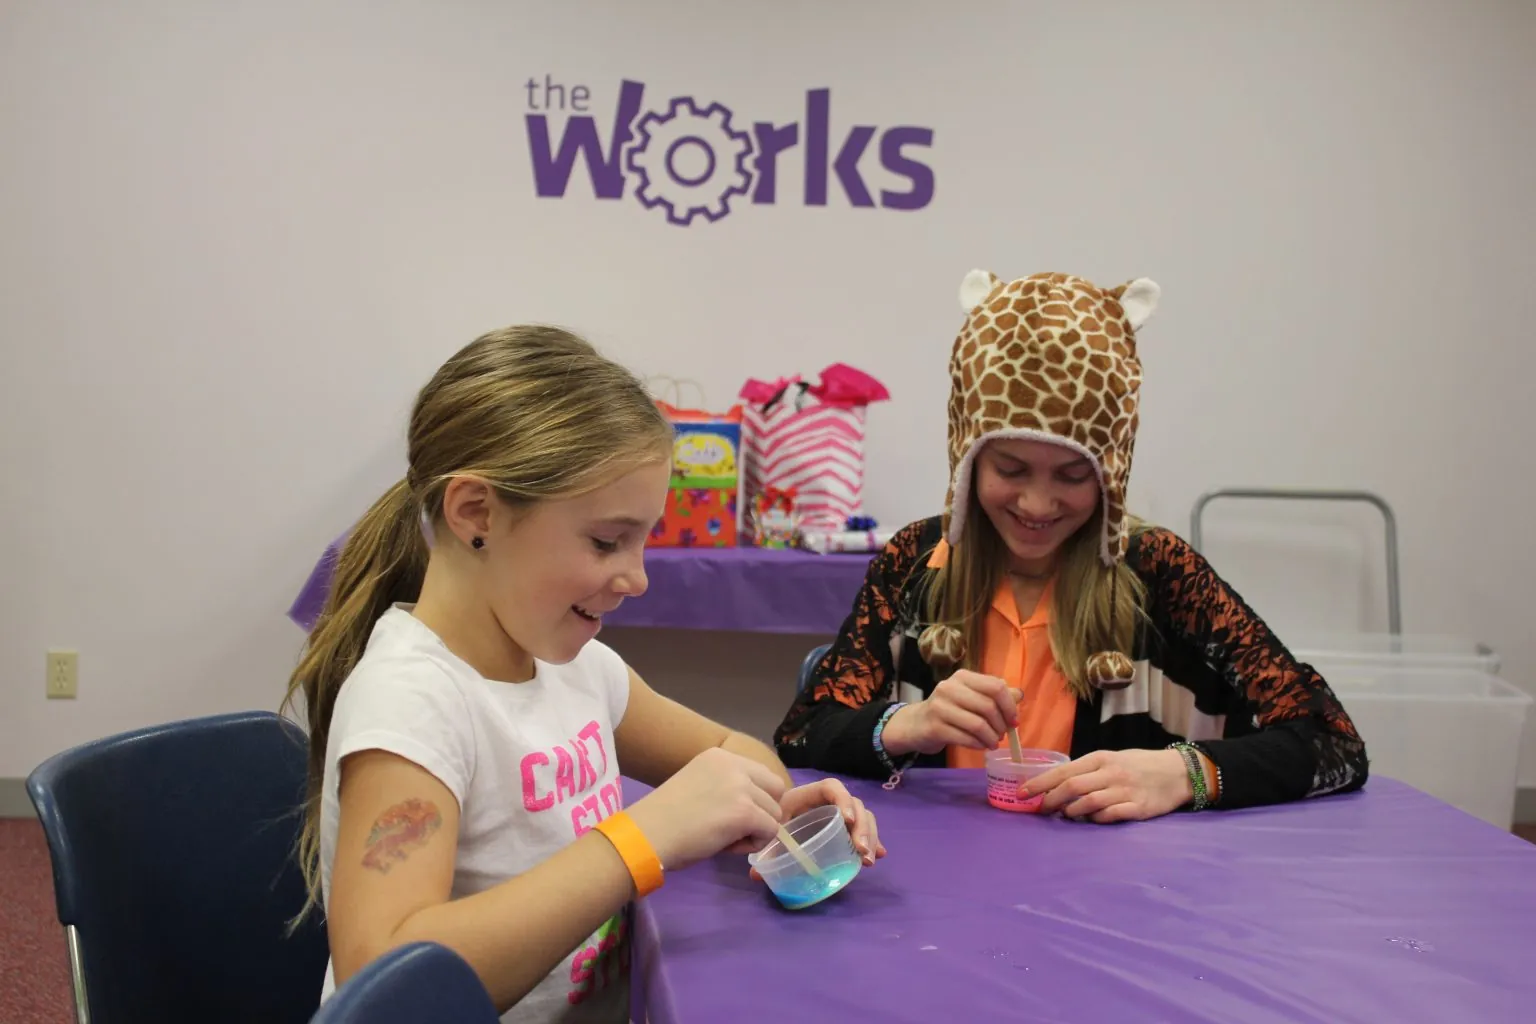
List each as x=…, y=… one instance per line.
x=534, y=411
x=1093, y=607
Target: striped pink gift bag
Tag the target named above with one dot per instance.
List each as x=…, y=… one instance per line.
x=808, y=439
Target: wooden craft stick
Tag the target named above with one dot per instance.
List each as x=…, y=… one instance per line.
x=1015, y=746
x=796, y=852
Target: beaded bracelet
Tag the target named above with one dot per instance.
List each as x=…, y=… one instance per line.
x=885, y=759
x=1191, y=755
x=1216, y=795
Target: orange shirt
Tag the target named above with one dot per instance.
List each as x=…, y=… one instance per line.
x=1020, y=652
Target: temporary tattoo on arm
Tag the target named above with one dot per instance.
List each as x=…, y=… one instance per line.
x=399, y=830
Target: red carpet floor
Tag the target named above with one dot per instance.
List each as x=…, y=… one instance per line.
x=34, y=965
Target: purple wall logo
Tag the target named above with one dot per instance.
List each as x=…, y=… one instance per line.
x=695, y=160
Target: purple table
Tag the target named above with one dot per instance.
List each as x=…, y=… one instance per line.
x=756, y=590
x=1385, y=905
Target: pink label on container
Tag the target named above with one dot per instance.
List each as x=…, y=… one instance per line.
x=1005, y=796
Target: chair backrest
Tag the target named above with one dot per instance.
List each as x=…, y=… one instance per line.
x=422, y=983
x=174, y=863
x=809, y=665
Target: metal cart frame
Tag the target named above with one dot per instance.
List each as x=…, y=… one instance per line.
x=1394, y=606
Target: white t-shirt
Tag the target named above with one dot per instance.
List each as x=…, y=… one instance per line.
x=531, y=764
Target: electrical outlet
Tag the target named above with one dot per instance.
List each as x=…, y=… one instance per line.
x=63, y=680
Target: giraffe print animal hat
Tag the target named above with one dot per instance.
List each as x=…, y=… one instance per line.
x=1050, y=357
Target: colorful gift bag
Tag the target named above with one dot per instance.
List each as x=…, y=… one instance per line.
x=809, y=440
x=772, y=519
x=702, y=503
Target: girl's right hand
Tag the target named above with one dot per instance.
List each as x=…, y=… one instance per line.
x=717, y=802
x=967, y=709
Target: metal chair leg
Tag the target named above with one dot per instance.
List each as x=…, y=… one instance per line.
x=77, y=974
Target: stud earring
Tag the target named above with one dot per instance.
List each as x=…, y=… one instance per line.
x=477, y=543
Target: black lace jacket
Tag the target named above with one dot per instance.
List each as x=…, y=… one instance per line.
x=1207, y=669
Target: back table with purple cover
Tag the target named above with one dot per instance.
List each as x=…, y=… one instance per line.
x=755, y=590
x=1382, y=905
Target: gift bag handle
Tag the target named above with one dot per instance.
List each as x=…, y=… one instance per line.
x=673, y=396
x=801, y=388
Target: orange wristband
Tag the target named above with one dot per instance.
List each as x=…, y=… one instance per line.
x=635, y=850
x=1212, y=776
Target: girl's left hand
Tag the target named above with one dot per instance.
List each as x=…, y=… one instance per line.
x=1115, y=785
x=859, y=819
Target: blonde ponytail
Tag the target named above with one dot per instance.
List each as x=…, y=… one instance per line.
x=383, y=561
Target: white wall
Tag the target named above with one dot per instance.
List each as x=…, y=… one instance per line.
x=235, y=238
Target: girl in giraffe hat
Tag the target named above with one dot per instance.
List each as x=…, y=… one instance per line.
x=1036, y=601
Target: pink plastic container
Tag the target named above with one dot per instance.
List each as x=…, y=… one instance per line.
x=1004, y=777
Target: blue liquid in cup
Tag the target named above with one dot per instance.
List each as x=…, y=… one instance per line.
x=800, y=891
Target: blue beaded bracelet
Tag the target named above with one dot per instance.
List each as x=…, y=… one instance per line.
x=885, y=759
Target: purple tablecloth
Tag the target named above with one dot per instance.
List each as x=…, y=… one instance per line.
x=1385, y=905
x=756, y=590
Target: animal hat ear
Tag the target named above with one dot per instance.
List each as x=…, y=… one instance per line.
x=1139, y=300
x=978, y=284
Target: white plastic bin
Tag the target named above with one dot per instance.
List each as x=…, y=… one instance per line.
x=1410, y=650
x=1452, y=732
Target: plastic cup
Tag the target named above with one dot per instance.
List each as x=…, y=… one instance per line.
x=823, y=835
x=1005, y=776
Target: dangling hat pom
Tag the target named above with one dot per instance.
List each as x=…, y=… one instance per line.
x=1111, y=670
x=942, y=647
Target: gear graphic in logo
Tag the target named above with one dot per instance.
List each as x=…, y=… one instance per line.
x=689, y=161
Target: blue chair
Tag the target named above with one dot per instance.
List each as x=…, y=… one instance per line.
x=175, y=874
x=809, y=665
x=422, y=983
